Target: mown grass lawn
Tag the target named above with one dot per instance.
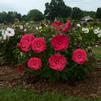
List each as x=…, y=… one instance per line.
x=97, y=51
x=24, y=95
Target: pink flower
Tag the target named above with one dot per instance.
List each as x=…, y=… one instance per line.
x=60, y=42
x=57, y=62
x=24, y=46
x=34, y=63
x=67, y=26
x=79, y=56
x=29, y=37
x=38, y=45
x=25, y=42
x=57, y=25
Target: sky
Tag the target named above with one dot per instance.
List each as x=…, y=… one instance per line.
x=23, y=6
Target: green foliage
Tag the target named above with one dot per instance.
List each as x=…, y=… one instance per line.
x=77, y=13
x=89, y=13
x=57, y=8
x=97, y=52
x=98, y=13
x=8, y=50
x=85, y=39
x=35, y=15
x=9, y=17
x=72, y=72
x=19, y=94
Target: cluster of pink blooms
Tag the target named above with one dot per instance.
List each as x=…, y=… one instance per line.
x=61, y=26
x=28, y=42
x=59, y=43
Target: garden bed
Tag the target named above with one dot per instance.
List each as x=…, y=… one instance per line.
x=89, y=88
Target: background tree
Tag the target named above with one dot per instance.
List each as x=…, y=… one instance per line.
x=77, y=13
x=24, y=18
x=57, y=8
x=3, y=17
x=90, y=13
x=35, y=15
x=98, y=13
x=9, y=17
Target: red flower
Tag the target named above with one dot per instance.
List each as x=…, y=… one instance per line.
x=34, y=63
x=25, y=42
x=29, y=37
x=20, y=69
x=57, y=62
x=38, y=45
x=67, y=26
x=24, y=46
x=79, y=56
x=57, y=25
x=60, y=42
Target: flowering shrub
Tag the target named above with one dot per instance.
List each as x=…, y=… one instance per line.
x=8, y=43
x=54, y=51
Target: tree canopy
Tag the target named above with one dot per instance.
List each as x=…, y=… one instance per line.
x=35, y=15
x=77, y=13
x=9, y=17
x=98, y=13
x=57, y=8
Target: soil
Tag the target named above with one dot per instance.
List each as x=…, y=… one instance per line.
x=89, y=88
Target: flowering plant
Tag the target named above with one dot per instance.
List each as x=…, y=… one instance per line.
x=54, y=53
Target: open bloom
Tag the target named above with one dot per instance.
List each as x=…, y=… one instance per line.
x=61, y=26
x=99, y=35
x=97, y=31
x=25, y=42
x=67, y=26
x=24, y=46
x=38, y=45
x=57, y=25
x=78, y=25
x=85, y=30
x=79, y=56
x=34, y=63
x=10, y=32
x=57, y=62
x=2, y=32
x=60, y=42
x=4, y=36
x=21, y=27
x=28, y=37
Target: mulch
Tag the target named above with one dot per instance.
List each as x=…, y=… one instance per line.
x=90, y=88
